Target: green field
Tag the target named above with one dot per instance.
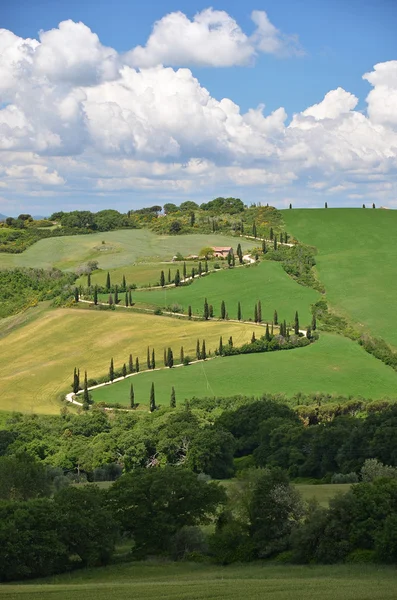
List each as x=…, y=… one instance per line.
x=333, y=364
x=356, y=262
x=153, y=580
x=266, y=282
x=42, y=347
x=121, y=248
x=322, y=492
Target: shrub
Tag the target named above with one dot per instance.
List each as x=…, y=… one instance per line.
x=188, y=541
x=344, y=477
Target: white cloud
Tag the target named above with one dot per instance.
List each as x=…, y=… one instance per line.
x=382, y=100
x=270, y=40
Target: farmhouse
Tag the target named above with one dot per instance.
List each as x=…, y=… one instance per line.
x=222, y=251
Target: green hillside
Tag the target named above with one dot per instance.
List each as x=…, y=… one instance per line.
x=333, y=364
x=266, y=282
x=356, y=262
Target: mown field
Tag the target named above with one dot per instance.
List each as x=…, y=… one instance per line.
x=266, y=281
x=181, y=581
x=38, y=355
x=121, y=248
x=333, y=364
x=356, y=262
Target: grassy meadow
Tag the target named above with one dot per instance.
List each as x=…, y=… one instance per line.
x=266, y=281
x=38, y=356
x=194, y=581
x=121, y=248
x=333, y=364
x=356, y=262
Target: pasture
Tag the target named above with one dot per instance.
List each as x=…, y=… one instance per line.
x=356, y=262
x=120, y=248
x=266, y=281
x=152, y=580
x=37, y=357
x=333, y=364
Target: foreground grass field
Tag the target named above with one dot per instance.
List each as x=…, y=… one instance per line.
x=266, y=282
x=38, y=356
x=193, y=581
x=333, y=364
x=356, y=262
x=121, y=248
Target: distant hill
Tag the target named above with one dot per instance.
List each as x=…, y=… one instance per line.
x=3, y=217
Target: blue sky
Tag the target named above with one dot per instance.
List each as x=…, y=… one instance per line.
x=339, y=41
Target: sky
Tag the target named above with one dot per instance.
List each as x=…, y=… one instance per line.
x=124, y=104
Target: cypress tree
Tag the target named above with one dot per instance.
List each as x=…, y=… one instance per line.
x=152, y=402
x=76, y=294
x=203, y=351
x=192, y=219
x=284, y=328
x=281, y=238
x=275, y=242
x=86, y=395
x=275, y=318
x=165, y=358
x=233, y=260
x=108, y=281
x=124, y=370
x=231, y=342
x=211, y=310
x=132, y=397
x=290, y=206
x=193, y=273
x=281, y=330
x=223, y=310
x=256, y=313
x=254, y=229
x=182, y=355
x=363, y=205
x=272, y=330
x=110, y=300
x=296, y=323
x=116, y=295
x=198, y=353
x=267, y=334
x=239, y=253
x=130, y=298
x=253, y=338
x=153, y=360
x=285, y=237
x=184, y=270
x=264, y=249
x=177, y=278
x=239, y=311
x=200, y=269
x=206, y=310
x=172, y=399
x=242, y=226
x=89, y=280
x=373, y=205
x=96, y=295
x=220, y=345
x=76, y=383
x=149, y=366
x=229, y=260
x=130, y=364
x=124, y=284
x=111, y=370
x=326, y=205
x=271, y=233
x=256, y=256
x=189, y=311
x=170, y=358
x=314, y=323
x=309, y=332
x=162, y=279
x=259, y=312
x=137, y=364
x=126, y=299
x=169, y=275
x=206, y=266
x=288, y=333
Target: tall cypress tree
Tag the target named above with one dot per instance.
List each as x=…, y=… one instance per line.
x=254, y=229
x=290, y=206
x=271, y=233
x=124, y=284
x=206, y=266
x=192, y=219
x=76, y=383
x=230, y=342
x=126, y=300
x=124, y=370
x=309, y=332
x=326, y=205
x=96, y=295
x=206, y=312
x=223, y=310
x=285, y=237
x=169, y=275
x=132, y=397
x=111, y=370
x=130, y=298
x=76, y=294
x=200, y=269
x=149, y=366
x=162, y=279
x=172, y=399
x=285, y=328
x=267, y=334
x=264, y=249
x=272, y=331
x=153, y=360
x=170, y=358
x=220, y=345
x=239, y=253
x=253, y=338
x=184, y=270
x=189, y=311
x=152, y=401
x=89, y=280
x=193, y=273
x=110, y=300
x=275, y=318
x=211, y=310
x=296, y=323
x=177, y=280
x=165, y=358
x=275, y=242
x=182, y=356
x=256, y=313
x=130, y=364
x=198, y=353
x=373, y=205
x=314, y=323
x=233, y=260
x=108, y=282
x=116, y=294
x=229, y=260
x=239, y=311
x=137, y=364
x=86, y=395
x=203, y=351
x=281, y=238
x=259, y=312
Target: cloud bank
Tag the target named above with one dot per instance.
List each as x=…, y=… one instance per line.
x=79, y=119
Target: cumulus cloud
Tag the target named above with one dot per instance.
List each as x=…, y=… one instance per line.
x=77, y=119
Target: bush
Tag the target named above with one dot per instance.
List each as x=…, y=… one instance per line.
x=175, y=308
x=186, y=360
x=188, y=541
x=361, y=556
x=158, y=311
x=344, y=477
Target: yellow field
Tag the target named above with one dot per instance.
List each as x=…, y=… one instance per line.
x=37, y=358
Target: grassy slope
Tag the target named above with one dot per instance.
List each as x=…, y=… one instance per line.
x=121, y=248
x=323, y=492
x=37, y=359
x=194, y=581
x=356, y=262
x=266, y=282
x=333, y=364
